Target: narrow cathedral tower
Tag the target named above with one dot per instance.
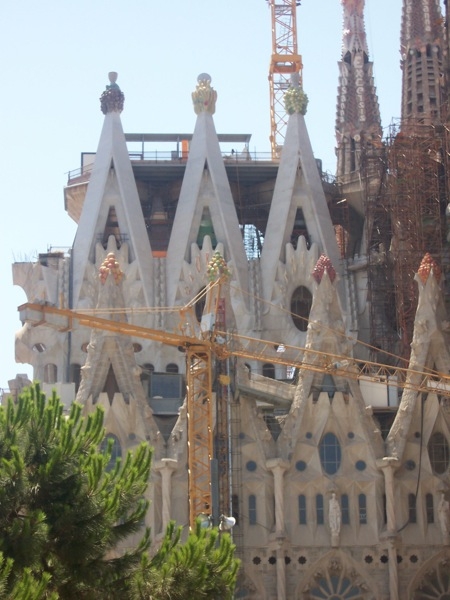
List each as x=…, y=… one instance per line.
x=422, y=44
x=358, y=113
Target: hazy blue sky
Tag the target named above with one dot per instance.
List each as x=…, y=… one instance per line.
x=56, y=56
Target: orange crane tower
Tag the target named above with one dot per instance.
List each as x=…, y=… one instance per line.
x=285, y=62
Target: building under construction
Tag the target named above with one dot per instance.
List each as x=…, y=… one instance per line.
x=260, y=323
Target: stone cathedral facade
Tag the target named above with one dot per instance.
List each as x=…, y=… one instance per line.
x=339, y=483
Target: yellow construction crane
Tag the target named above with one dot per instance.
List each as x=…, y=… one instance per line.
x=285, y=62
x=205, y=343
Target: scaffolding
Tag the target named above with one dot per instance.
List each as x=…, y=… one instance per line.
x=406, y=201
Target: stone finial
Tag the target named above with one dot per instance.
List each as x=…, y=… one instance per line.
x=322, y=265
x=427, y=265
x=112, y=98
x=204, y=97
x=295, y=99
x=110, y=265
x=217, y=267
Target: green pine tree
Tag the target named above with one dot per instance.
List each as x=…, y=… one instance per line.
x=202, y=568
x=62, y=514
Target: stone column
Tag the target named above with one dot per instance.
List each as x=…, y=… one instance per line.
x=388, y=465
x=166, y=466
x=278, y=467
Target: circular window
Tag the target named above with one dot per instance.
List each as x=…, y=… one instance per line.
x=251, y=465
x=308, y=435
x=350, y=435
x=301, y=302
x=300, y=465
x=360, y=465
x=410, y=465
x=330, y=453
x=439, y=453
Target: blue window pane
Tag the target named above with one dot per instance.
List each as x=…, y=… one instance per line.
x=412, y=513
x=429, y=508
x=319, y=509
x=439, y=452
x=345, y=512
x=302, y=509
x=252, y=509
x=362, y=505
x=330, y=453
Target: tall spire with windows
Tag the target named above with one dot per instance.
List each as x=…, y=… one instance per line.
x=358, y=113
x=422, y=45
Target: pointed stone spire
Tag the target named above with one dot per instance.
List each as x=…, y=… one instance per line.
x=358, y=114
x=205, y=191
x=422, y=46
x=428, y=351
x=112, y=191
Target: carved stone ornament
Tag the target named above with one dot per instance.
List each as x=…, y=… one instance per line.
x=204, y=97
x=112, y=98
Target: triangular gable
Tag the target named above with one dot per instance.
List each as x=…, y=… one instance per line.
x=205, y=184
x=298, y=185
x=112, y=184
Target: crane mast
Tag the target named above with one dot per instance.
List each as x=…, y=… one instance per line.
x=285, y=62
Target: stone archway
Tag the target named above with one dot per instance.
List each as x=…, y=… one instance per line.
x=334, y=580
x=433, y=580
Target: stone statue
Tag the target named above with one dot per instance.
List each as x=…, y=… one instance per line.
x=443, y=515
x=334, y=519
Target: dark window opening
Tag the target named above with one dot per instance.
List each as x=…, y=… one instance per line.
x=330, y=453
x=301, y=303
x=439, y=453
x=362, y=507
x=412, y=512
x=345, y=510
x=252, y=520
x=302, y=509
x=268, y=370
x=319, y=509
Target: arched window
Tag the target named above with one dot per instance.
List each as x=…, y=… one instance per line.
x=50, y=373
x=172, y=368
x=301, y=302
x=345, y=510
x=252, y=520
x=319, y=509
x=116, y=449
x=429, y=507
x=362, y=508
x=412, y=512
x=330, y=453
x=268, y=370
x=302, y=509
x=439, y=453
x=336, y=585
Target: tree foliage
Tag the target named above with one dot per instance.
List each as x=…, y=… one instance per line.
x=61, y=514
x=203, y=567
x=64, y=516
